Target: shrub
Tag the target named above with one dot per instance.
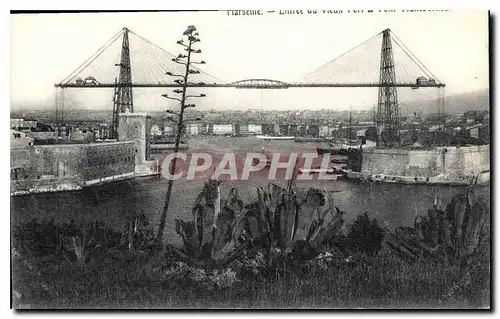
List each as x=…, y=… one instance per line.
x=365, y=235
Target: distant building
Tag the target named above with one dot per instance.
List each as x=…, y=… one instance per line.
x=82, y=136
x=155, y=130
x=223, y=129
x=192, y=129
x=313, y=130
x=435, y=128
x=34, y=129
x=474, y=132
x=169, y=128
x=20, y=139
x=479, y=132
x=324, y=131
x=254, y=129
x=103, y=132
x=42, y=135
x=18, y=124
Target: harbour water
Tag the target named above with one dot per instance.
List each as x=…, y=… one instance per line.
x=393, y=205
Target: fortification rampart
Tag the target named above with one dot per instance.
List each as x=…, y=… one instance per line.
x=385, y=161
x=444, y=163
x=69, y=166
x=57, y=167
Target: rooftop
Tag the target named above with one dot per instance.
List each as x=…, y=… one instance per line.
x=135, y=114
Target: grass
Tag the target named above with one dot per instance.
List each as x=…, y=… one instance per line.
x=136, y=279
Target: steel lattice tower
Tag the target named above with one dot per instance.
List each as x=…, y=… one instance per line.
x=123, y=98
x=387, y=112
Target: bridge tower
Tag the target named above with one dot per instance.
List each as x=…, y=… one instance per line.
x=123, y=98
x=387, y=116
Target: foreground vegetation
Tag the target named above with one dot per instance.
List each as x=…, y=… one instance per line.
x=272, y=261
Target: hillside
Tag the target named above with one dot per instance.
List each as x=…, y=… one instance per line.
x=459, y=103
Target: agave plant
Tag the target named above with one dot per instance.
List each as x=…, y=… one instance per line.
x=452, y=234
x=80, y=248
x=85, y=243
x=290, y=220
x=278, y=220
x=137, y=236
x=213, y=233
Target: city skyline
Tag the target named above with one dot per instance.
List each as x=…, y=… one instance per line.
x=64, y=41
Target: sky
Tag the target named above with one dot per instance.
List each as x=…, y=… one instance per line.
x=45, y=48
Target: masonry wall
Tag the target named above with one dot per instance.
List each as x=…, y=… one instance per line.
x=109, y=159
x=57, y=160
x=464, y=161
x=26, y=186
x=385, y=161
x=424, y=163
x=20, y=163
x=49, y=166
x=136, y=127
x=453, y=162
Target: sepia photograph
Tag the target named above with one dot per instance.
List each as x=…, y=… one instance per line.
x=321, y=158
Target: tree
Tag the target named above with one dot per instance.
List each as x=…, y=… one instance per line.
x=191, y=38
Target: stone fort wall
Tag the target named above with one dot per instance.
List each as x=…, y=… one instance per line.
x=454, y=162
x=72, y=166
x=76, y=164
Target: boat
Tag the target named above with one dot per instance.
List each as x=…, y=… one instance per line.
x=344, y=147
x=270, y=137
x=318, y=170
x=166, y=142
x=311, y=139
x=344, y=151
x=336, y=177
x=343, y=167
x=350, y=174
x=168, y=146
x=339, y=160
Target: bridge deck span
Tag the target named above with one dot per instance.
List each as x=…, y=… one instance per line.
x=231, y=85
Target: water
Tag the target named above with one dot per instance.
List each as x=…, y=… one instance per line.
x=393, y=205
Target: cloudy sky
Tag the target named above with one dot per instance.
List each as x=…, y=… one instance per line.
x=45, y=48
